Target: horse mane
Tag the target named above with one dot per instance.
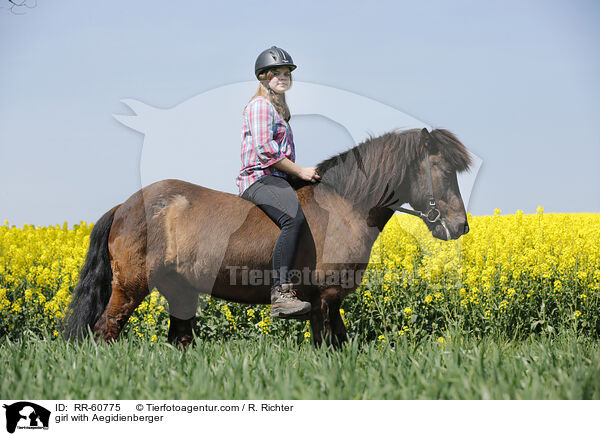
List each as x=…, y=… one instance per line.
x=453, y=151
x=391, y=153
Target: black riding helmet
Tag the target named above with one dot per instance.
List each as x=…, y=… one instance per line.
x=273, y=57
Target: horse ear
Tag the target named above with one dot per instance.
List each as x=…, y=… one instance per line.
x=426, y=139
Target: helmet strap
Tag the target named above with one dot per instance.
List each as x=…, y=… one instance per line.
x=266, y=85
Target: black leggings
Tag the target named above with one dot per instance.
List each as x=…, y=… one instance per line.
x=275, y=196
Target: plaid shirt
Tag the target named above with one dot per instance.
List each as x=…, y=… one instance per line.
x=266, y=139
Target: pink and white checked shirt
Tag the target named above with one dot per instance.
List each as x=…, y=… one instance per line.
x=266, y=139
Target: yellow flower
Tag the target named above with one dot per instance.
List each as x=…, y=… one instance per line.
x=16, y=306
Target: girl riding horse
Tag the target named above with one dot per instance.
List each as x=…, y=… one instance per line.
x=268, y=156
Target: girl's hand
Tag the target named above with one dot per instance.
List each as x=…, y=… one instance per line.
x=309, y=174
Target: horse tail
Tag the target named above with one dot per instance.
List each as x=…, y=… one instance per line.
x=92, y=292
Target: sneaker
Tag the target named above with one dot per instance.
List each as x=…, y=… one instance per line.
x=284, y=302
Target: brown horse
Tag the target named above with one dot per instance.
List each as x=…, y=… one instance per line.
x=185, y=239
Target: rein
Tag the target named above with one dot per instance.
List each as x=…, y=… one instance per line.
x=432, y=214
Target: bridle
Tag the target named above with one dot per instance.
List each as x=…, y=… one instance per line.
x=432, y=214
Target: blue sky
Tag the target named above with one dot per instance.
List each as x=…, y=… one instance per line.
x=517, y=82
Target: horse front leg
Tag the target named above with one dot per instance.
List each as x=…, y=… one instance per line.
x=319, y=321
x=325, y=319
x=338, y=327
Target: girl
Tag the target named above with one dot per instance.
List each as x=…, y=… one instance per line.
x=268, y=156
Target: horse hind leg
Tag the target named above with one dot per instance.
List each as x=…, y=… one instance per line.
x=181, y=331
x=183, y=303
x=123, y=302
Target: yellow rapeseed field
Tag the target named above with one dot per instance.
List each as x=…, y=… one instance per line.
x=512, y=273
x=515, y=273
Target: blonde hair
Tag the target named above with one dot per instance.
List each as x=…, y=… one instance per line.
x=278, y=100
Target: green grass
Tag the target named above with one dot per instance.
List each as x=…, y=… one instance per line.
x=561, y=366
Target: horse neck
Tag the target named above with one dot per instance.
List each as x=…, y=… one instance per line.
x=367, y=186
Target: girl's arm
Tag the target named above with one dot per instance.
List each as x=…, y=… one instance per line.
x=310, y=174
x=288, y=166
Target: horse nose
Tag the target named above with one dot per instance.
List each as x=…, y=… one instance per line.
x=466, y=229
